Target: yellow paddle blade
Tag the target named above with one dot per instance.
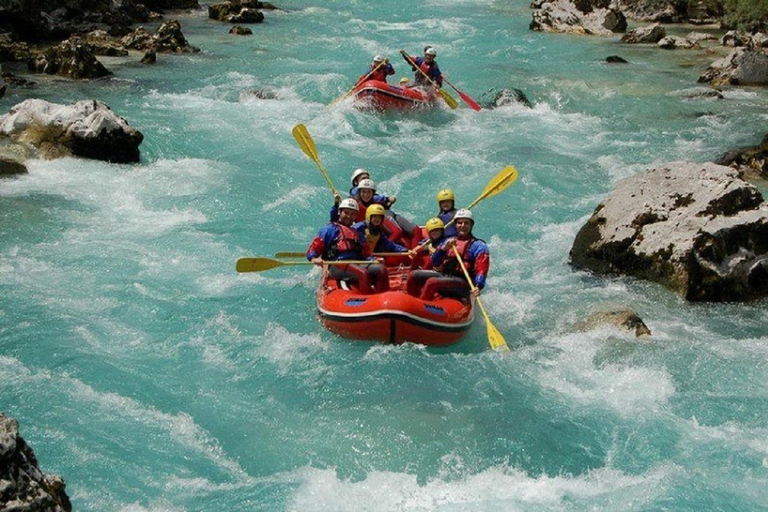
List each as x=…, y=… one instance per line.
x=449, y=100
x=257, y=264
x=502, y=180
x=495, y=339
x=304, y=139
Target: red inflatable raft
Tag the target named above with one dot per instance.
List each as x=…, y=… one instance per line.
x=383, y=96
x=393, y=316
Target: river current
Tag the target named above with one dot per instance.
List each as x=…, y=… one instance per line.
x=151, y=376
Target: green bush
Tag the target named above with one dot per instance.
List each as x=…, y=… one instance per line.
x=745, y=13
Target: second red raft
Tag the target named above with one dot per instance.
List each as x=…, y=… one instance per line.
x=383, y=96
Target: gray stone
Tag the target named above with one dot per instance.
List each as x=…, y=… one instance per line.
x=87, y=128
x=568, y=17
x=9, y=167
x=697, y=228
x=740, y=67
x=650, y=34
x=621, y=318
x=23, y=487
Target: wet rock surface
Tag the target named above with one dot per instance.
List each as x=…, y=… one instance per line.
x=696, y=228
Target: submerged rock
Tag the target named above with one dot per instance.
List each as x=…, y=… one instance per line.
x=615, y=59
x=9, y=167
x=697, y=228
x=87, y=128
x=237, y=30
x=503, y=97
x=621, y=318
x=23, y=487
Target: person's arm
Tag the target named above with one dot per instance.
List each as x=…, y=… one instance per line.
x=317, y=247
x=438, y=76
x=438, y=257
x=482, y=262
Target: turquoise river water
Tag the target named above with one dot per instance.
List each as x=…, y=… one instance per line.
x=151, y=376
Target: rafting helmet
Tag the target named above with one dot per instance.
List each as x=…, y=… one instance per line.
x=430, y=51
x=367, y=183
x=374, y=209
x=464, y=214
x=357, y=173
x=433, y=224
x=378, y=58
x=348, y=204
x=445, y=195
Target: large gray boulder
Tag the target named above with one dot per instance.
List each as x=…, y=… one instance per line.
x=697, y=228
x=578, y=17
x=740, y=67
x=87, y=128
x=23, y=487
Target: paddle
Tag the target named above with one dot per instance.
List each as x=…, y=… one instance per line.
x=469, y=101
x=262, y=264
x=301, y=254
x=495, y=339
x=356, y=84
x=307, y=145
x=449, y=100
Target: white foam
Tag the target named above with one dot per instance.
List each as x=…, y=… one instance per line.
x=496, y=488
x=287, y=349
x=630, y=391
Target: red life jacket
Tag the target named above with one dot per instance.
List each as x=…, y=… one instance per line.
x=380, y=75
x=451, y=266
x=347, y=240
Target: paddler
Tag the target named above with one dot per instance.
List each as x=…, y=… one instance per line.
x=373, y=231
x=446, y=203
x=428, y=65
x=379, y=70
x=473, y=252
x=338, y=241
x=422, y=254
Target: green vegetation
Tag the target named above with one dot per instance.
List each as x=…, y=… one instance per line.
x=745, y=13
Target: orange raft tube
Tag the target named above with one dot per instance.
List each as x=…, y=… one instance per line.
x=383, y=96
x=393, y=316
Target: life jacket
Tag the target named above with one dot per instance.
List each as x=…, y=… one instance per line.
x=346, y=241
x=451, y=266
x=380, y=75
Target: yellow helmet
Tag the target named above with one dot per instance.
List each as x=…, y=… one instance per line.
x=445, y=195
x=433, y=224
x=374, y=209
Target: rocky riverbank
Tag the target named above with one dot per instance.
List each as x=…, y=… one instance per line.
x=23, y=486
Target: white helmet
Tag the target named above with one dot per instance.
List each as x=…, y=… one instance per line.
x=358, y=173
x=464, y=214
x=367, y=183
x=430, y=51
x=378, y=58
x=349, y=204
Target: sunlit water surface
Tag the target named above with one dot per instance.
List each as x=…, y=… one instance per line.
x=152, y=376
